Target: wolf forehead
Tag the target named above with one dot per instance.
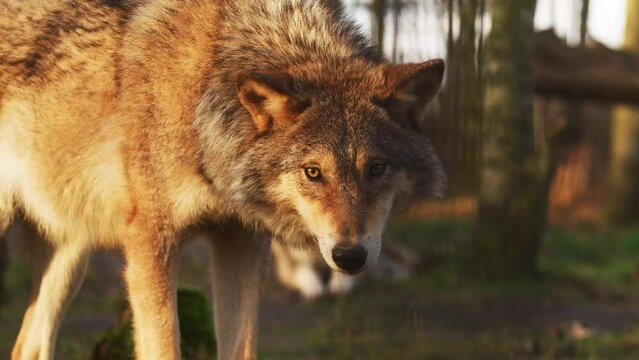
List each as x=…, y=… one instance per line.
x=344, y=106
x=354, y=129
x=352, y=134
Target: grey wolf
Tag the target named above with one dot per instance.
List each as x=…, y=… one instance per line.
x=132, y=124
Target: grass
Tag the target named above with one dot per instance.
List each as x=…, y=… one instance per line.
x=608, y=257
x=590, y=280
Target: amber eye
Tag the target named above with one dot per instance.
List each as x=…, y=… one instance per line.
x=376, y=170
x=313, y=173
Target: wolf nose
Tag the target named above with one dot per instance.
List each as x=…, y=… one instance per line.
x=349, y=258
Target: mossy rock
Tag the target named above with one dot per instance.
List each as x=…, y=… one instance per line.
x=196, y=325
x=196, y=330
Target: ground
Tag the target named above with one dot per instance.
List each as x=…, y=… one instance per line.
x=584, y=305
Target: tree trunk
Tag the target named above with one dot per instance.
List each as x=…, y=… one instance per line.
x=513, y=183
x=624, y=163
x=469, y=97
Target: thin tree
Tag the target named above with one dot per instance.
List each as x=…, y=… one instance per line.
x=624, y=163
x=397, y=13
x=512, y=191
x=583, y=24
x=378, y=9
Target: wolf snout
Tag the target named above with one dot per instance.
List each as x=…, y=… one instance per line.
x=348, y=257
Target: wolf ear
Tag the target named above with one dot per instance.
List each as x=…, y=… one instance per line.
x=410, y=88
x=269, y=99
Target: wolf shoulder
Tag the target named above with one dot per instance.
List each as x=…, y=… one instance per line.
x=42, y=42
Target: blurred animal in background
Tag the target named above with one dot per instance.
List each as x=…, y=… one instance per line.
x=305, y=272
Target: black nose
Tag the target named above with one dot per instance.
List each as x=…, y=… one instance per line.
x=348, y=257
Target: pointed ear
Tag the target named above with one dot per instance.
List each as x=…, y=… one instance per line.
x=269, y=99
x=410, y=88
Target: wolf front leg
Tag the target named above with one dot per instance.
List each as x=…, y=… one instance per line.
x=151, y=268
x=240, y=262
x=58, y=272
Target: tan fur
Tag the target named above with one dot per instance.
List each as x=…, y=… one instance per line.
x=129, y=123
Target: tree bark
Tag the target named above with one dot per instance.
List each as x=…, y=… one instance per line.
x=513, y=189
x=624, y=163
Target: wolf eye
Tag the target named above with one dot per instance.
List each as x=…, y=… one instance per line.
x=313, y=173
x=376, y=170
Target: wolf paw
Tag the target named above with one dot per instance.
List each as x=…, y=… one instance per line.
x=309, y=283
x=340, y=284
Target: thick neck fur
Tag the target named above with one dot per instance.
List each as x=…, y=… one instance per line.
x=260, y=35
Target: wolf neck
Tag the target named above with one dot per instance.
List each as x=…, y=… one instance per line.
x=263, y=34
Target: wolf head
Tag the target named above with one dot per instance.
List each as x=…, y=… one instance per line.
x=336, y=150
